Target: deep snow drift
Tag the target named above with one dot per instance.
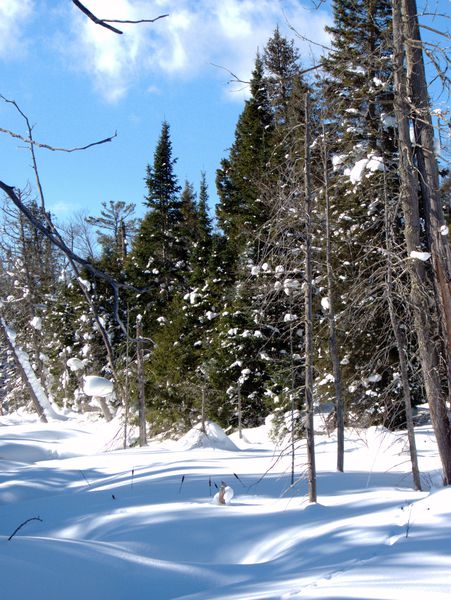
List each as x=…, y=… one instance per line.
x=120, y=524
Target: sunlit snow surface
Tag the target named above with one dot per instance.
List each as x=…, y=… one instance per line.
x=142, y=523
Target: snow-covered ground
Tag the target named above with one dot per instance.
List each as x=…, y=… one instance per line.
x=128, y=524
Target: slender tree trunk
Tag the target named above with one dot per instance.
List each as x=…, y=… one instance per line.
x=311, y=467
x=401, y=347
x=333, y=345
x=429, y=358
x=140, y=383
x=238, y=392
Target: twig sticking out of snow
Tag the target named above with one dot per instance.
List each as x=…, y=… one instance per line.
x=21, y=525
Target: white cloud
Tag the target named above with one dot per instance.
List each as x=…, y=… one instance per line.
x=14, y=14
x=185, y=44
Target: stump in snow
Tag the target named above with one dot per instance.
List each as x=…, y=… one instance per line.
x=225, y=494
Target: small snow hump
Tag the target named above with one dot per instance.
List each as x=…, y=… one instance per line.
x=212, y=437
x=225, y=494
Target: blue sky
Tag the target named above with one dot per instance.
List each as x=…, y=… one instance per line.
x=79, y=83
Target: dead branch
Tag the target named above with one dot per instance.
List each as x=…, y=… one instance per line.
x=54, y=148
x=31, y=141
x=437, y=31
x=235, y=78
x=105, y=22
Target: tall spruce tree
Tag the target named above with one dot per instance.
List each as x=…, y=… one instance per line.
x=156, y=261
x=239, y=211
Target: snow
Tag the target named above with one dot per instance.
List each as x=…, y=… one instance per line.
x=36, y=323
x=75, y=364
x=97, y=386
x=424, y=256
x=113, y=522
x=444, y=230
x=325, y=303
x=49, y=410
x=371, y=163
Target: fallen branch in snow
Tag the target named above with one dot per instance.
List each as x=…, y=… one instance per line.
x=21, y=525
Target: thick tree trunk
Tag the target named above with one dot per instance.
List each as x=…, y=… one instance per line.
x=418, y=283
x=428, y=171
x=311, y=467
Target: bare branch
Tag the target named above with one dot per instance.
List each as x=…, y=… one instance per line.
x=32, y=142
x=96, y=20
x=105, y=22
x=235, y=79
x=135, y=22
x=446, y=35
x=54, y=148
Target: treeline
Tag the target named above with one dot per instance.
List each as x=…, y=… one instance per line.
x=214, y=317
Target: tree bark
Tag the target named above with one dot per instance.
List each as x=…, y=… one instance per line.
x=333, y=345
x=37, y=405
x=311, y=467
x=428, y=354
x=140, y=384
x=428, y=172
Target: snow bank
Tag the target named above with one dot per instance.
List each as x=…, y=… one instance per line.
x=214, y=437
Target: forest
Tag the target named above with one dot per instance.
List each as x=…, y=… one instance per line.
x=321, y=280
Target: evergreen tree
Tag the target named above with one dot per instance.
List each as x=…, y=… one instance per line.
x=156, y=262
x=239, y=211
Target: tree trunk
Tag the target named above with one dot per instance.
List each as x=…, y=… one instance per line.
x=140, y=384
x=333, y=346
x=26, y=381
x=311, y=467
x=429, y=358
x=428, y=171
x=401, y=347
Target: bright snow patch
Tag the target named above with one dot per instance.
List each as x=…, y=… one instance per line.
x=325, y=303
x=36, y=323
x=75, y=364
x=444, y=230
x=424, y=256
x=214, y=437
x=97, y=386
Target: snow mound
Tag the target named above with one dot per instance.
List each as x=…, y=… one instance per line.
x=97, y=386
x=228, y=495
x=214, y=437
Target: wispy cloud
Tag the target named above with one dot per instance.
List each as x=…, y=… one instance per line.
x=14, y=14
x=184, y=45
